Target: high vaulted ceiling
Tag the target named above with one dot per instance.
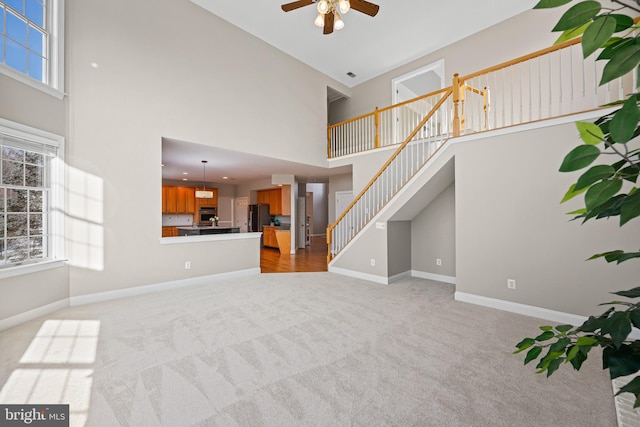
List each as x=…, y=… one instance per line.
x=402, y=31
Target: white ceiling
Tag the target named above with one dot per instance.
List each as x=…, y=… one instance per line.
x=403, y=30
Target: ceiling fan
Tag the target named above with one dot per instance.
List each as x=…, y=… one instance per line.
x=329, y=11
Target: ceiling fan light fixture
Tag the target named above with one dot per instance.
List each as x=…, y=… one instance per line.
x=323, y=6
x=319, y=22
x=338, y=24
x=344, y=6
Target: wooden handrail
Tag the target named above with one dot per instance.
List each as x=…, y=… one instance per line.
x=388, y=162
x=524, y=58
x=391, y=107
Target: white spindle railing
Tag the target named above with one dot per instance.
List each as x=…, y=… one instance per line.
x=427, y=136
x=549, y=83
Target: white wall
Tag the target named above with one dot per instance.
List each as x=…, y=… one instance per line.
x=184, y=74
x=434, y=236
x=320, y=207
x=520, y=35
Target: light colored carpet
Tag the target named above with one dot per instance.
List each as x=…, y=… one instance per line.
x=296, y=349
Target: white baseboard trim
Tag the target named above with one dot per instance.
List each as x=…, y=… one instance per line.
x=359, y=275
x=147, y=289
x=433, y=276
x=527, y=310
x=399, y=276
x=30, y=315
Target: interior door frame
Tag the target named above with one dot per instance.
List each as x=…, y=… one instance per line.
x=436, y=66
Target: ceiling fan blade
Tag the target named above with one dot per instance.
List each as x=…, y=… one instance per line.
x=365, y=7
x=296, y=4
x=328, y=23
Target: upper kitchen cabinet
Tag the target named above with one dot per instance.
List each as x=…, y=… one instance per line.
x=178, y=200
x=278, y=199
x=209, y=203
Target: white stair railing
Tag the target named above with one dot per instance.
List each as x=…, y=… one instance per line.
x=426, y=138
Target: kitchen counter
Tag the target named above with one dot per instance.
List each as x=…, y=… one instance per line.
x=204, y=230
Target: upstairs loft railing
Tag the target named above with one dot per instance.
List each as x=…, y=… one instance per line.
x=549, y=83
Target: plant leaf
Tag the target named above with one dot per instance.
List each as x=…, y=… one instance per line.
x=608, y=256
x=578, y=158
x=622, y=21
x=593, y=175
x=560, y=345
x=571, y=193
x=627, y=256
x=524, y=344
x=577, y=15
x=635, y=318
x=579, y=358
x=623, y=61
x=620, y=362
x=546, y=335
x=631, y=293
x=553, y=366
x=632, y=386
x=625, y=121
x=572, y=34
x=546, y=4
x=599, y=193
x=590, y=133
x=618, y=326
x=546, y=328
x=586, y=341
x=564, y=328
x=597, y=34
x=610, y=50
x=532, y=354
x=630, y=208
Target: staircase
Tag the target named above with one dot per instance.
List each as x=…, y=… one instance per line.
x=546, y=84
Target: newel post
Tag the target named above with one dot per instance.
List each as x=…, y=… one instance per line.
x=329, y=244
x=456, y=100
x=376, y=118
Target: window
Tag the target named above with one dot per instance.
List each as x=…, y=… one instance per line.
x=31, y=42
x=29, y=179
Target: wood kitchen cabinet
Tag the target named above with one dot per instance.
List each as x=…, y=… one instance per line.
x=209, y=203
x=269, y=236
x=264, y=198
x=286, y=200
x=169, y=231
x=278, y=199
x=178, y=200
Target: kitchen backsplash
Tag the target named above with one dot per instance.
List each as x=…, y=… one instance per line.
x=176, y=219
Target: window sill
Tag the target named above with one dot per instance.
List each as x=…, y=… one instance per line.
x=30, y=268
x=31, y=82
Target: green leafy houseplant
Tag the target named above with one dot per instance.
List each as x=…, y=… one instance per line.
x=610, y=153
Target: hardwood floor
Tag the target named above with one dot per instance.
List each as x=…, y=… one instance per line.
x=312, y=258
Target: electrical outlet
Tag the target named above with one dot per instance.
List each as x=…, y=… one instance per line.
x=511, y=284
x=373, y=262
x=438, y=261
x=187, y=265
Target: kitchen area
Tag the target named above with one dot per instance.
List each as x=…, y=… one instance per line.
x=198, y=211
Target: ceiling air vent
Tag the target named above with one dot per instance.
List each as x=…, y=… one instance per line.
x=350, y=74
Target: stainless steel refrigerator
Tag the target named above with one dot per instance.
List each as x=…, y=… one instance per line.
x=258, y=217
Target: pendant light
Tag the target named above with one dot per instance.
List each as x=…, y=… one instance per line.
x=204, y=194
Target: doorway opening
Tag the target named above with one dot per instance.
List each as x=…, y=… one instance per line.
x=422, y=81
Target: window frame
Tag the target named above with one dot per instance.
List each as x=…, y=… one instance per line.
x=56, y=180
x=54, y=17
